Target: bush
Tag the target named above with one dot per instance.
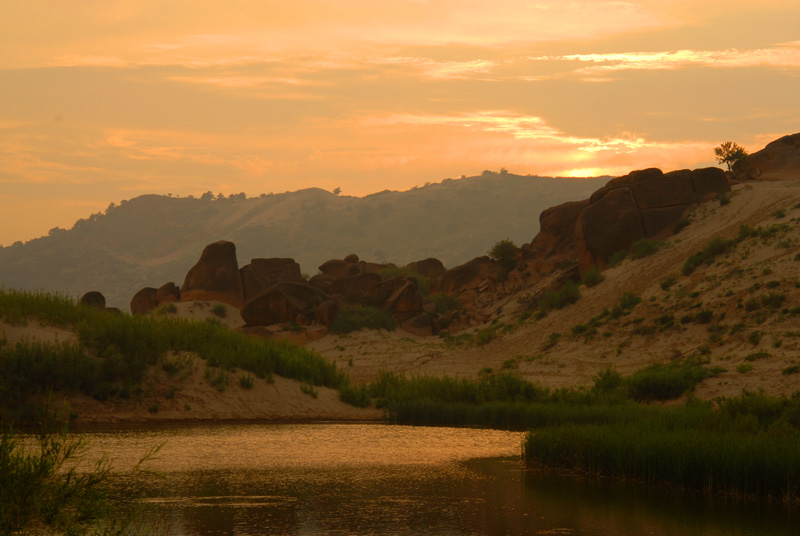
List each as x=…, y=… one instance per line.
x=665, y=382
x=644, y=248
x=593, y=276
x=355, y=317
x=505, y=252
x=247, y=381
x=219, y=310
x=558, y=299
x=617, y=258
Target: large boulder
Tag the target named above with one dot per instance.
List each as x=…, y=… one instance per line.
x=611, y=224
x=405, y=301
x=215, y=276
x=94, y=299
x=326, y=313
x=261, y=274
x=282, y=302
x=421, y=324
x=339, y=268
x=167, y=293
x=709, y=182
x=144, y=301
x=467, y=276
x=556, y=230
x=780, y=159
x=355, y=287
x=429, y=267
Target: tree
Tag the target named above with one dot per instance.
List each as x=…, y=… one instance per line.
x=337, y=191
x=729, y=153
x=505, y=252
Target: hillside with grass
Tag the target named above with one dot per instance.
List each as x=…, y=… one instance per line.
x=156, y=238
x=724, y=291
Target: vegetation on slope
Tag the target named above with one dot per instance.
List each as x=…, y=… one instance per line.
x=113, y=352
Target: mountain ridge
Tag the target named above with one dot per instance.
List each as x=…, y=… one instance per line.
x=151, y=238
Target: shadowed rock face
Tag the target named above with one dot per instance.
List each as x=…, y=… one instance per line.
x=283, y=302
x=144, y=301
x=774, y=162
x=215, y=276
x=261, y=274
x=94, y=299
x=168, y=292
x=643, y=204
x=428, y=268
x=468, y=275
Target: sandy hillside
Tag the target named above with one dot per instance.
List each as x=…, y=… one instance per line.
x=755, y=268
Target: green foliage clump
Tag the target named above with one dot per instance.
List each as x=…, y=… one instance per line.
x=593, y=276
x=219, y=310
x=666, y=381
x=355, y=317
x=729, y=153
x=247, y=381
x=43, y=491
x=717, y=246
x=505, y=252
x=625, y=305
x=568, y=294
x=644, y=248
x=617, y=258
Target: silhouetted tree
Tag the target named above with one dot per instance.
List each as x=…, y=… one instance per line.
x=729, y=153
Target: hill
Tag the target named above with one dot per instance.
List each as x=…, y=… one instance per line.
x=151, y=239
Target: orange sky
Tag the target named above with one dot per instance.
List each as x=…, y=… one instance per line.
x=105, y=100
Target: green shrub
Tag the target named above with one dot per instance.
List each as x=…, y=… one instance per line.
x=219, y=310
x=309, y=389
x=593, y=276
x=644, y=248
x=667, y=283
x=704, y=316
x=247, y=381
x=617, y=258
x=568, y=294
x=665, y=382
x=754, y=338
x=505, y=252
x=355, y=317
x=773, y=300
x=757, y=356
x=625, y=305
x=794, y=369
x=744, y=368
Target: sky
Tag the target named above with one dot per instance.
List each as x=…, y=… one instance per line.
x=104, y=100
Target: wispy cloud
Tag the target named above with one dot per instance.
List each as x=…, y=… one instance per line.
x=779, y=57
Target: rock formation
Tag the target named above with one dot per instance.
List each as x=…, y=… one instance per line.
x=776, y=161
x=215, y=276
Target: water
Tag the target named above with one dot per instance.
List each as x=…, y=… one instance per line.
x=351, y=479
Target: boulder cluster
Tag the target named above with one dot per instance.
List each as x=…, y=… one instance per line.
x=779, y=159
x=272, y=291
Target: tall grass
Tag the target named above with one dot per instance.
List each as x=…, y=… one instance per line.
x=356, y=317
x=763, y=464
x=113, y=351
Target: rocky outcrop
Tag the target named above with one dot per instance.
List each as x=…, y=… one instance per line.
x=215, y=276
x=261, y=274
x=778, y=160
x=467, y=276
x=355, y=288
x=326, y=313
x=427, y=268
x=283, y=302
x=556, y=231
x=339, y=268
x=167, y=293
x=94, y=299
x=643, y=204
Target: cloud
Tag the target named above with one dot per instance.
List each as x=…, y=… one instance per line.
x=779, y=57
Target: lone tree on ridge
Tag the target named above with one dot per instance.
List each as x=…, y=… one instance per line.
x=729, y=153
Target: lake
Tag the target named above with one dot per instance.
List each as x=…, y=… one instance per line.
x=354, y=479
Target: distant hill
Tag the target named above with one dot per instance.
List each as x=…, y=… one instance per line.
x=153, y=239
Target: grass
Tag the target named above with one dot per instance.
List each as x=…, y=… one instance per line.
x=356, y=317
x=113, y=352
x=568, y=294
x=719, y=246
x=644, y=248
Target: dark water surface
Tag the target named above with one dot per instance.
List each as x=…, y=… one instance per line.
x=317, y=479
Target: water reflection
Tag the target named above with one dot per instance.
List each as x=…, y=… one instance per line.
x=375, y=479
